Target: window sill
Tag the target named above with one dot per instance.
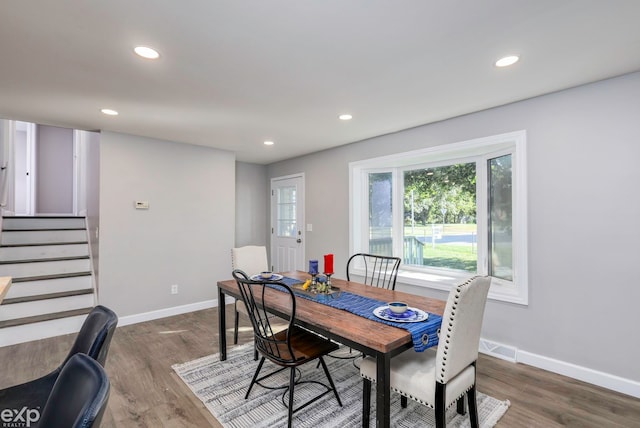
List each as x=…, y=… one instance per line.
x=501, y=291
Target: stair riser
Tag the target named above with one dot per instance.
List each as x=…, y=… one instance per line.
x=40, y=330
x=34, y=288
x=14, y=223
x=43, y=237
x=22, y=270
x=43, y=252
x=47, y=306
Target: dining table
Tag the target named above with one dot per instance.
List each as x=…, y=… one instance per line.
x=377, y=339
x=5, y=283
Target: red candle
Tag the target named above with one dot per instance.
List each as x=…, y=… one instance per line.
x=328, y=263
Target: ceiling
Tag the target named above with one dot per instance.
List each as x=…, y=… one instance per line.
x=233, y=74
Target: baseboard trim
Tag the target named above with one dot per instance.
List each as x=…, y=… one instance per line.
x=605, y=380
x=167, y=312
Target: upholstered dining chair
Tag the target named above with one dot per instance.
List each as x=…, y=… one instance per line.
x=79, y=396
x=251, y=259
x=93, y=339
x=378, y=271
x=438, y=378
x=287, y=348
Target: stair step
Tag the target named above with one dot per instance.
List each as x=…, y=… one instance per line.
x=53, y=285
x=17, y=311
x=41, y=260
x=42, y=244
x=37, y=268
x=41, y=222
x=39, y=252
x=24, y=237
x=12, y=335
x=47, y=277
x=33, y=298
x=44, y=317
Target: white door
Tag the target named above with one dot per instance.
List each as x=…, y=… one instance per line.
x=287, y=220
x=24, y=146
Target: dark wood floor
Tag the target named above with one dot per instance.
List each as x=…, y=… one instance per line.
x=145, y=392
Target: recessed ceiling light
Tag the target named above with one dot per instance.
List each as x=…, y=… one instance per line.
x=268, y=143
x=345, y=117
x=109, y=112
x=146, y=52
x=507, y=61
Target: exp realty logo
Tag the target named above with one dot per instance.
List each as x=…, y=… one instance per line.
x=19, y=418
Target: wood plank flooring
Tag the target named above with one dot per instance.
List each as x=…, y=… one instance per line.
x=145, y=392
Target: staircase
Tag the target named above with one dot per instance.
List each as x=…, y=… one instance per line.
x=48, y=260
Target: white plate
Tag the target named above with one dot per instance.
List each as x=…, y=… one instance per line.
x=415, y=315
x=274, y=277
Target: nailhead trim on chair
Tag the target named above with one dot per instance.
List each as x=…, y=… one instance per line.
x=417, y=399
x=450, y=325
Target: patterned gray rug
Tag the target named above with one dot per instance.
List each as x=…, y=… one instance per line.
x=221, y=386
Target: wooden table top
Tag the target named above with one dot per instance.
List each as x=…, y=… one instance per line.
x=5, y=283
x=342, y=323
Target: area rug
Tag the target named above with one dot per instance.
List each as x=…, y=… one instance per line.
x=221, y=386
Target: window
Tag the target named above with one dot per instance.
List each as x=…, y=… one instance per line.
x=380, y=214
x=286, y=211
x=449, y=212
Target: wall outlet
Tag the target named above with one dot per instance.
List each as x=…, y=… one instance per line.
x=174, y=289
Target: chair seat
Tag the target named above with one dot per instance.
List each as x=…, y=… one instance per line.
x=306, y=346
x=413, y=375
x=241, y=307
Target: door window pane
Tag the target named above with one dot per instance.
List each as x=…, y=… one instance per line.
x=380, y=214
x=286, y=211
x=500, y=218
x=440, y=217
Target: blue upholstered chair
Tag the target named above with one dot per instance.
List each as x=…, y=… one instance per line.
x=93, y=339
x=79, y=396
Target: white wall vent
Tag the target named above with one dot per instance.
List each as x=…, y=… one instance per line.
x=498, y=350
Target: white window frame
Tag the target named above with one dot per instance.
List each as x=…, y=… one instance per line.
x=514, y=143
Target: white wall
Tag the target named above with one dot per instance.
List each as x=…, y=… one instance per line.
x=185, y=236
x=7, y=165
x=584, y=239
x=252, y=196
x=54, y=175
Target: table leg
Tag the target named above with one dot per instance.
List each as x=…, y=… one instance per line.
x=383, y=390
x=222, y=325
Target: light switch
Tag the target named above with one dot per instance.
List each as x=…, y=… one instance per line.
x=309, y=227
x=142, y=205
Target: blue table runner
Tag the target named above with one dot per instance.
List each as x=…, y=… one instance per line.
x=424, y=334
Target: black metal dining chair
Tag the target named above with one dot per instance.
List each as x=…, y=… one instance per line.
x=377, y=271
x=289, y=348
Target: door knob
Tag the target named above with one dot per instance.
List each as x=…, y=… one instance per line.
x=298, y=240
